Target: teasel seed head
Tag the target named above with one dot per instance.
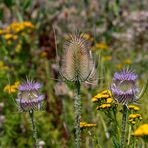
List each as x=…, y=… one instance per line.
x=77, y=61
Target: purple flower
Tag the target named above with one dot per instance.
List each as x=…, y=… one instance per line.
x=29, y=97
x=124, y=87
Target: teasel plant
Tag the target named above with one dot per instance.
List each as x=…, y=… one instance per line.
x=29, y=99
x=77, y=67
x=125, y=91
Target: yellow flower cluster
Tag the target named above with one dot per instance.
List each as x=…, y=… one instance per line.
x=87, y=125
x=141, y=131
x=3, y=67
x=16, y=29
x=104, y=100
x=12, y=88
x=133, y=107
x=134, y=117
x=102, y=46
x=106, y=94
x=104, y=106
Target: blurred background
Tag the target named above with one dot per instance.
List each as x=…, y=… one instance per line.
x=31, y=42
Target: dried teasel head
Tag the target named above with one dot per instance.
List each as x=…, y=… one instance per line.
x=77, y=62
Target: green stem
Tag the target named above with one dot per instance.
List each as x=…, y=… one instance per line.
x=33, y=128
x=123, y=128
x=77, y=107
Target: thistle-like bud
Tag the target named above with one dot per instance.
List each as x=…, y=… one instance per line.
x=124, y=87
x=29, y=97
x=77, y=61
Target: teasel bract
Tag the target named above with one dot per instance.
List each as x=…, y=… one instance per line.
x=77, y=66
x=77, y=61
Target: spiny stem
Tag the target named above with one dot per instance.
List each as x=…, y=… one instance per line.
x=33, y=128
x=123, y=128
x=77, y=107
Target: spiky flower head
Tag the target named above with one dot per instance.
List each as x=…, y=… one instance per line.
x=124, y=87
x=29, y=97
x=77, y=61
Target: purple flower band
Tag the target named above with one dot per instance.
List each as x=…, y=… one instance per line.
x=125, y=75
x=29, y=86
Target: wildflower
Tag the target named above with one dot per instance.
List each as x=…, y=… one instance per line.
x=109, y=100
x=104, y=106
x=133, y=107
x=141, y=131
x=12, y=88
x=28, y=24
x=101, y=46
x=87, y=125
x=29, y=97
x=124, y=87
x=134, y=117
x=8, y=36
x=102, y=95
x=77, y=63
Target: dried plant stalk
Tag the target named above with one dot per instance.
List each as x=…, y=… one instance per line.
x=77, y=66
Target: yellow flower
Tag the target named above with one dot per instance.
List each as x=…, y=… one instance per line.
x=101, y=46
x=133, y=116
x=16, y=84
x=86, y=125
x=8, y=36
x=142, y=130
x=133, y=107
x=12, y=88
x=102, y=95
x=94, y=99
x=109, y=100
x=106, y=92
x=28, y=24
x=104, y=106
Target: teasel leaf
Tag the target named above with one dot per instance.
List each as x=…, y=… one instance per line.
x=77, y=60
